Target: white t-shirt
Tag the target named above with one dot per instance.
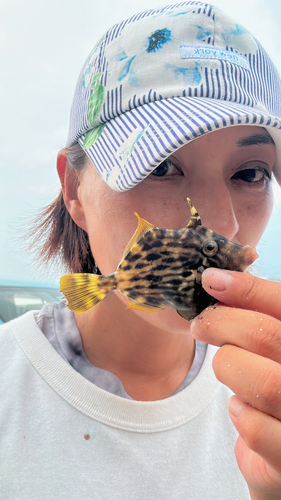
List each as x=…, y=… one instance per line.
x=64, y=438
x=58, y=324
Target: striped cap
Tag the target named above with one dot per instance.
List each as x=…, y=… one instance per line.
x=163, y=78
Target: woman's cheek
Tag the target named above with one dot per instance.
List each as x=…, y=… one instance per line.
x=253, y=217
x=108, y=239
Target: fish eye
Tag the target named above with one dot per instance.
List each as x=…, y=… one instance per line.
x=210, y=248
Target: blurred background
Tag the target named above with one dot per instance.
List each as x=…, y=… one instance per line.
x=43, y=45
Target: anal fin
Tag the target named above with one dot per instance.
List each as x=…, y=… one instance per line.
x=133, y=304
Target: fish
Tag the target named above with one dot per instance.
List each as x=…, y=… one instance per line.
x=161, y=268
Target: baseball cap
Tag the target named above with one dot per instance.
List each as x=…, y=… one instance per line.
x=165, y=77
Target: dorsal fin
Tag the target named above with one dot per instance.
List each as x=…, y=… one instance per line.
x=195, y=219
x=143, y=227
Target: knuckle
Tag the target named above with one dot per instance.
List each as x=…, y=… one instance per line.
x=253, y=434
x=221, y=359
x=267, y=340
x=268, y=389
x=254, y=289
x=261, y=295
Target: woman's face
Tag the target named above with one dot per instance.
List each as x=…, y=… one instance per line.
x=226, y=174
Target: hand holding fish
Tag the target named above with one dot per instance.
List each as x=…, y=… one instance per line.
x=247, y=328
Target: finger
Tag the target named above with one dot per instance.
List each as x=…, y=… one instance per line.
x=255, y=332
x=243, y=290
x=262, y=434
x=263, y=481
x=254, y=379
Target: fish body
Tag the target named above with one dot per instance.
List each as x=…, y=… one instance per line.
x=162, y=268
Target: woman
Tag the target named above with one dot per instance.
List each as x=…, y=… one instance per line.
x=114, y=402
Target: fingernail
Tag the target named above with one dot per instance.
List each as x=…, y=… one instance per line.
x=216, y=279
x=236, y=406
x=192, y=327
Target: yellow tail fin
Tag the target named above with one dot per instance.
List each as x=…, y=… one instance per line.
x=82, y=291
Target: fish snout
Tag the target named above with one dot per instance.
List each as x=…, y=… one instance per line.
x=250, y=255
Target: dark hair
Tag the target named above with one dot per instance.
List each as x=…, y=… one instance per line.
x=54, y=234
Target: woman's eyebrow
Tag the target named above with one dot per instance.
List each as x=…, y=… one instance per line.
x=253, y=140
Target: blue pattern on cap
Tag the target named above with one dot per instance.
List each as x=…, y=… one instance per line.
x=158, y=39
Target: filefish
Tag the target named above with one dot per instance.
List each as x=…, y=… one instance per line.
x=161, y=268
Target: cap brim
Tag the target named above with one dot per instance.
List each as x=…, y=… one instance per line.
x=132, y=145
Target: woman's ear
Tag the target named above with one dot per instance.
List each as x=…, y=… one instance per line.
x=70, y=183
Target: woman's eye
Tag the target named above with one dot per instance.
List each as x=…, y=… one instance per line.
x=165, y=168
x=252, y=175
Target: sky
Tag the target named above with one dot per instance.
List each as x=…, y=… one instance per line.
x=43, y=45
